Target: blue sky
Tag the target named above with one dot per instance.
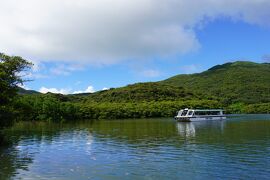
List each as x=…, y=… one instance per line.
x=138, y=44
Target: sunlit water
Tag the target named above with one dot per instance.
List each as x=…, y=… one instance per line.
x=237, y=148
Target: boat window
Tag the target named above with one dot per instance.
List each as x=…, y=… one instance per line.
x=199, y=113
x=190, y=113
x=207, y=113
x=179, y=113
x=184, y=113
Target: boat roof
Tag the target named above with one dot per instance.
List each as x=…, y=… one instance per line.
x=204, y=109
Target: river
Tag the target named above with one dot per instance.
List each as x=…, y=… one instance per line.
x=236, y=148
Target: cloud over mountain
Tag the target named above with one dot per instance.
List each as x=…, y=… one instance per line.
x=110, y=31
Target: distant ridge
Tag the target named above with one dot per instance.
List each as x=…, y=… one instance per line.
x=240, y=81
x=24, y=91
x=232, y=82
x=140, y=92
x=236, y=87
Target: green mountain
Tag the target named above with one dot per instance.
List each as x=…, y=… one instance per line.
x=238, y=87
x=230, y=83
x=22, y=91
x=233, y=82
x=140, y=92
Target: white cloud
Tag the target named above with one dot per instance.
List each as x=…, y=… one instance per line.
x=54, y=90
x=35, y=75
x=103, y=89
x=65, y=69
x=89, y=89
x=109, y=31
x=78, y=92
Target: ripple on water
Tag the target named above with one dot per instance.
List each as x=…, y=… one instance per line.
x=168, y=150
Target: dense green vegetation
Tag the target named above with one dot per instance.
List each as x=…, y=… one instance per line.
x=9, y=79
x=241, y=81
x=47, y=107
x=10, y=67
x=242, y=87
x=56, y=107
x=239, y=87
x=133, y=101
x=23, y=91
x=141, y=92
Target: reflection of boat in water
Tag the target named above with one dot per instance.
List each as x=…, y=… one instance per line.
x=187, y=115
x=186, y=129
x=189, y=129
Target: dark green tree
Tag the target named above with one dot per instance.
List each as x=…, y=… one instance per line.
x=11, y=68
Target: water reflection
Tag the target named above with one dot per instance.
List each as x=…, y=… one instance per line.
x=117, y=149
x=188, y=129
x=13, y=158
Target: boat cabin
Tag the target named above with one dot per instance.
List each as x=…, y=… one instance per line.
x=199, y=114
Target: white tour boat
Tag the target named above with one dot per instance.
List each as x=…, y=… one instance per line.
x=187, y=115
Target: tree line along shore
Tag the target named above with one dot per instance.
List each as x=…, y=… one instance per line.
x=239, y=87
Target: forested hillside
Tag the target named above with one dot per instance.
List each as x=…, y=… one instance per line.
x=241, y=81
x=239, y=87
x=24, y=91
x=141, y=92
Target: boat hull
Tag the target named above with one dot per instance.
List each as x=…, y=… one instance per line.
x=199, y=118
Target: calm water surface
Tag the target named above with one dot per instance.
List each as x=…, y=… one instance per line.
x=237, y=148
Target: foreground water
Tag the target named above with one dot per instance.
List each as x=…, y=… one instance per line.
x=238, y=148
